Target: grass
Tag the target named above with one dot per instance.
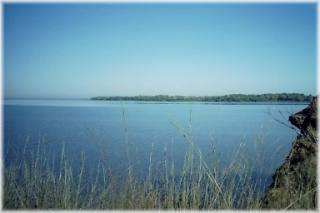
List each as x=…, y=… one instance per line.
x=40, y=183
x=38, y=179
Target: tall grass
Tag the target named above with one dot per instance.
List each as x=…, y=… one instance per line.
x=37, y=179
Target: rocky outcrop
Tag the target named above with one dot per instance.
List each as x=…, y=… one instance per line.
x=294, y=183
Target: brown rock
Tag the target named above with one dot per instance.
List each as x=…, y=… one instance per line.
x=294, y=184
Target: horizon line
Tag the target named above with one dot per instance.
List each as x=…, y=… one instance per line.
x=88, y=98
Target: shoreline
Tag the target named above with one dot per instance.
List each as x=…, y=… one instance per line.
x=88, y=102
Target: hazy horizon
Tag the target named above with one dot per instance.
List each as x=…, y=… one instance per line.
x=88, y=98
x=63, y=51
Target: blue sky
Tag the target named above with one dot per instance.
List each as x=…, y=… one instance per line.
x=85, y=50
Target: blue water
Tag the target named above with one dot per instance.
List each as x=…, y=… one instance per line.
x=99, y=129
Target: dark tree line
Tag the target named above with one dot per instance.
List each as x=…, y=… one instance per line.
x=270, y=97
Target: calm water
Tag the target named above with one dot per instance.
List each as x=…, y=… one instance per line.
x=98, y=129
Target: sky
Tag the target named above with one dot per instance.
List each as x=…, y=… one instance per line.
x=87, y=50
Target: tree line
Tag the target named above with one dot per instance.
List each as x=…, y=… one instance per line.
x=270, y=97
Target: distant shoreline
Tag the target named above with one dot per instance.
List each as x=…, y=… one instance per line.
x=88, y=102
x=275, y=98
x=214, y=103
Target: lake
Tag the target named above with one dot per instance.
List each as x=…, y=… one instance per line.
x=119, y=132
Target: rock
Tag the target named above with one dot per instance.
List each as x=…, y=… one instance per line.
x=306, y=119
x=294, y=184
